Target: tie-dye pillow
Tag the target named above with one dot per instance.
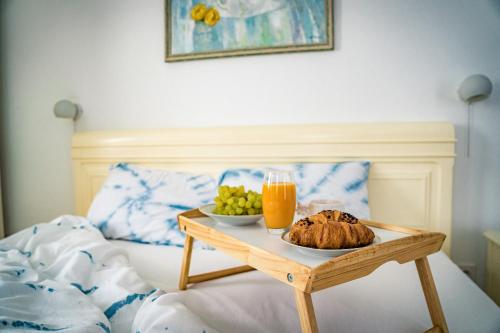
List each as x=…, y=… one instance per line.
x=345, y=181
x=141, y=205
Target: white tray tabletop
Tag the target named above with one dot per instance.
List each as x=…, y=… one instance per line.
x=257, y=235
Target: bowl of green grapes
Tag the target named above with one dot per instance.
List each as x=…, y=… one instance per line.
x=235, y=206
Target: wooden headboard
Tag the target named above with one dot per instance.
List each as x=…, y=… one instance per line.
x=410, y=182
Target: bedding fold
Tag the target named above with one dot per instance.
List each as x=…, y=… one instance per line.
x=64, y=276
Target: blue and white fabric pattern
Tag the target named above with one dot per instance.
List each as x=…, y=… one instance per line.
x=64, y=276
x=345, y=181
x=142, y=205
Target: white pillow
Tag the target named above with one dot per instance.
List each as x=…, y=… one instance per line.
x=141, y=205
x=345, y=181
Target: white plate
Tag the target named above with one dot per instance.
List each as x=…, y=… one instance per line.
x=323, y=252
x=234, y=220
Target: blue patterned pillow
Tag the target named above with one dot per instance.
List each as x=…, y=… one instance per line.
x=345, y=181
x=141, y=205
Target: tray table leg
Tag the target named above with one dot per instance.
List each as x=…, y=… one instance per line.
x=219, y=274
x=306, y=312
x=431, y=295
x=186, y=262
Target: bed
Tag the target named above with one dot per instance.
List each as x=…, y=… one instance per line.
x=410, y=184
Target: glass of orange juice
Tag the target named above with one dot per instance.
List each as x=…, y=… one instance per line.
x=278, y=200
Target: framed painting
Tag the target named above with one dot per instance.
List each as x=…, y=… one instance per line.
x=199, y=29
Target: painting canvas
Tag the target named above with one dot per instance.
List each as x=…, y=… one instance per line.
x=197, y=29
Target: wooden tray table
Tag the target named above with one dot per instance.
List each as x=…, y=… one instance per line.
x=259, y=250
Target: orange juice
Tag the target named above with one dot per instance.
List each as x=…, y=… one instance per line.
x=278, y=202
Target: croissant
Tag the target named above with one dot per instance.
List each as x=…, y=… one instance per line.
x=331, y=229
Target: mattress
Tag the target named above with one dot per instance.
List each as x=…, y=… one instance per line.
x=388, y=300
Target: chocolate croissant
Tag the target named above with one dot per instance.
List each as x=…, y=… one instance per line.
x=331, y=229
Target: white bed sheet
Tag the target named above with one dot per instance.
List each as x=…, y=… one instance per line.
x=389, y=300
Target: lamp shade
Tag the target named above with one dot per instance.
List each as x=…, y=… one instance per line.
x=66, y=109
x=475, y=88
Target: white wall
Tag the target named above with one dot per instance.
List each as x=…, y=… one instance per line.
x=394, y=61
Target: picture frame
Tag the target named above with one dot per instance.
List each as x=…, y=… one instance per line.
x=311, y=29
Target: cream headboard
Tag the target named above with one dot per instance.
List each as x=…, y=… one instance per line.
x=410, y=181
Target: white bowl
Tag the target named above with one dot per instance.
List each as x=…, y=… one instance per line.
x=233, y=220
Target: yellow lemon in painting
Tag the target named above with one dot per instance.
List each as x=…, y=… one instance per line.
x=212, y=16
x=198, y=12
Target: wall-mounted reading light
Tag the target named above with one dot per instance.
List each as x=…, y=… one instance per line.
x=67, y=110
x=473, y=89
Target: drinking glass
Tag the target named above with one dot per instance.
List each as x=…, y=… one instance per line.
x=317, y=206
x=278, y=200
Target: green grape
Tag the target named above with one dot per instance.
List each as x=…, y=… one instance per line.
x=233, y=200
x=240, y=190
x=242, y=202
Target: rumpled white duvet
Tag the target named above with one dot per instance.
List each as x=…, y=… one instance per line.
x=64, y=276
